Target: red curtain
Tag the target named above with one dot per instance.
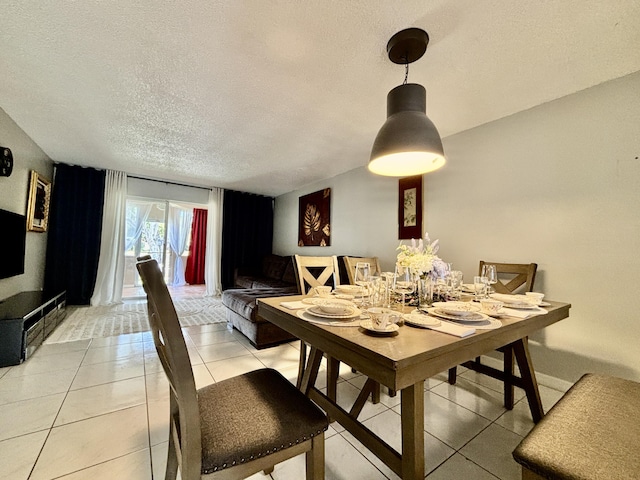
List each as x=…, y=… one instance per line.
x=194, y=272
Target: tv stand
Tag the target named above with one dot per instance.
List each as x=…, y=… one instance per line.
x=26, y=320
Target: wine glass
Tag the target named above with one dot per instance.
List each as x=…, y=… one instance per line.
x=403, y=283
x=386, y=287
x=491, y=273
x=362, y=278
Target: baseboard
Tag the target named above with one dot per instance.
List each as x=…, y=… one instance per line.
x=543, y=379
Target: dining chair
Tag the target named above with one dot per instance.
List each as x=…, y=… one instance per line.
x=314, y=272
x=512, y=278
x=351, y=262
x=233, y=428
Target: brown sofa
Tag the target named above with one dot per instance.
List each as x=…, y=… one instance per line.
x=275, y=278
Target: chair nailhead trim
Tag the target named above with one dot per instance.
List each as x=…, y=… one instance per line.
x=304, y=438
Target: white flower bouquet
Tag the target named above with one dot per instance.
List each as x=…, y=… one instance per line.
x=421, y=257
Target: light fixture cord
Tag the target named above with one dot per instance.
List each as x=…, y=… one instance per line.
x=406, y=70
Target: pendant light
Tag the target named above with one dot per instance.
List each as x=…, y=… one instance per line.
x=408, y=143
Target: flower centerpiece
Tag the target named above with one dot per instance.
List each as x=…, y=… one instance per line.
x=422, y=259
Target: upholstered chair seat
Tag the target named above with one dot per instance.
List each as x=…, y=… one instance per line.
x=269, y=415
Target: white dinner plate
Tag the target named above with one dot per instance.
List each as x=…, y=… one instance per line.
x=349, y=289
x=391, y=328
x=477, y=317
x=459, y=309
x=329, y=322
x=514, y=301
x=321, y=300
x=318, y=312
x=420, y=320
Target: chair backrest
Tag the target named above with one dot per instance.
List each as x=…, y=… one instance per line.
x=513, y=276
x=350, y=265
x=315, y=272
x=172, y=350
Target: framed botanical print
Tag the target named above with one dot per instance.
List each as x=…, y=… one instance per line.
x=410, y=207
x=314, y=219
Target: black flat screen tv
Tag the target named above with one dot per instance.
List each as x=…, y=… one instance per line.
x=13, y=237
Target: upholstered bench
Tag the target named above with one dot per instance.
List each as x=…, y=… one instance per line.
x=593, y=432
x=243, y=315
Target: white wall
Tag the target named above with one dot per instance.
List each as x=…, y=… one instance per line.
x=27, y=156
x=363, y=218
x=557, y=185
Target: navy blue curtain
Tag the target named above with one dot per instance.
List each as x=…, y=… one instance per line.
x=247, y=233
x=75, y=224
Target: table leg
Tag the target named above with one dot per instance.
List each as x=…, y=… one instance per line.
x=529, y=382
x=302, y=363
x=333, y=369
x=508, y=372
x=412, y=404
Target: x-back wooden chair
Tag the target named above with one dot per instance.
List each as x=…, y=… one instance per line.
x=351, y=262
x=315, y=272
x=233, y=428
x=512, y=278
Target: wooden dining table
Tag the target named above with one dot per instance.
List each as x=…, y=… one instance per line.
x=402, y=362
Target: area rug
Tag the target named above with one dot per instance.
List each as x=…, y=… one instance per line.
x=131, y=317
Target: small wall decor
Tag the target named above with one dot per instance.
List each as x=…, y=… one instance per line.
x=410, y=207
x=6, y=162
x=38, y=208
x=314, y=221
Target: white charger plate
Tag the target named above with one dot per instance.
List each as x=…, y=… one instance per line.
x=316, y=311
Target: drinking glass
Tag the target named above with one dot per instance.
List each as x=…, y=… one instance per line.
x=403, y=283
x=376, y=290
x=455, y=279
x=480, y=287
x=362, y=279
x=491, y=273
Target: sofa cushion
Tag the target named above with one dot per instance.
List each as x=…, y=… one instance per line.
x=244, y=281
x=289, y=275
x=243, y=301
x=269, y=283
x=273, y=266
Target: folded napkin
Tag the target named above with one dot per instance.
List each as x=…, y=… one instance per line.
x=294, y=305
x=512, y=312
x=451, y=329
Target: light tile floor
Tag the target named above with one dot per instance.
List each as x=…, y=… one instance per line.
x=99, y=409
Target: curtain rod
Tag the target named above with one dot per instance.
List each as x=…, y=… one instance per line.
x=169, y=183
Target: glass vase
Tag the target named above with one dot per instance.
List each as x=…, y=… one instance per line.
x=424, y=288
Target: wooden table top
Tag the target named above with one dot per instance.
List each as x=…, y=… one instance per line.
x=413, y=353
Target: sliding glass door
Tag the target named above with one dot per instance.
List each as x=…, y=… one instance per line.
x=160, y=229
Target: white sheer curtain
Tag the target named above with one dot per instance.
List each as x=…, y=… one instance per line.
x=108, y=289
x=213, y=256
x=137, y=214
x=178, y=233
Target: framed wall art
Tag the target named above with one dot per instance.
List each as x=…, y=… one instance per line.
x=38, y=207
x=410, y=207
x=314, y=219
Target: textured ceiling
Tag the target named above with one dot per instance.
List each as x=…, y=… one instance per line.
x=268, y=96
